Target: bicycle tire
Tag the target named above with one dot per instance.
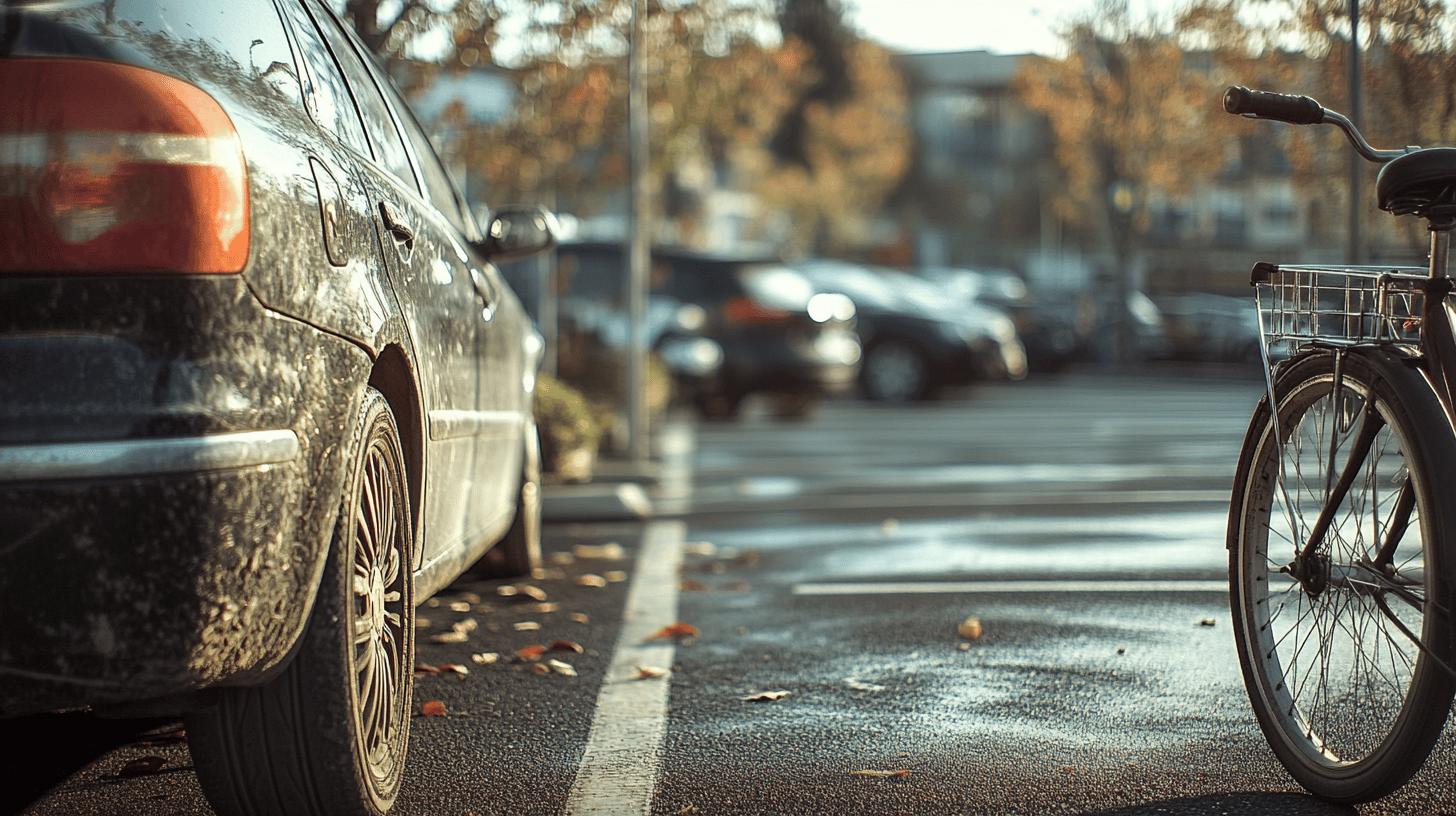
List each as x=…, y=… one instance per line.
x=1373, y=736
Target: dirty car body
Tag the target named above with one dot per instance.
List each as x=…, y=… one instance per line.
x=175, y=422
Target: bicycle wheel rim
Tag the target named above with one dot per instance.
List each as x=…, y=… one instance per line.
x=1331, y=673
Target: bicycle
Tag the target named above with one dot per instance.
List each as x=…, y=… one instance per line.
x=1342, y=552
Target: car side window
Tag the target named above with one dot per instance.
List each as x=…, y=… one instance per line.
x=324, y=90
x=389, y=148
x=437, y=180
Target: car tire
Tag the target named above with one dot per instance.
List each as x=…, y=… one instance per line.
x=519, y=553
x=304, y=742
x=895, y=372
x=720, y=406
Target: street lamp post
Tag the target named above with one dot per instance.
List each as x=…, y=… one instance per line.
x=638, y=232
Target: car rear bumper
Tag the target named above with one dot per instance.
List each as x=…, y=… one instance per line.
x=171, y=456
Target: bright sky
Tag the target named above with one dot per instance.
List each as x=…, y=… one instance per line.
x=1003, y=26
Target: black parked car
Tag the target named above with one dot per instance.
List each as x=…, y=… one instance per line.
x=916, y=339
x=777, y=335
x=263, y=391
x=1046, y=326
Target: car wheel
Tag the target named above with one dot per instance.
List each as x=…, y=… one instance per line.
x=329, y=734
x=794, y=406
x=520, y=551
x=895, y=372
x=720, y=407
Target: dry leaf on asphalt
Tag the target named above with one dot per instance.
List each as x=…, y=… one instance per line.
x=453, y=636
x=896, y=774
x=676, y=631
x=580, y=617
x=650, y=672
x=485, y=658
x=566, y=646
x=548, y=607
x=765, y=697
x=590, y=580
x=535, y=593
x=457, y=668
x=470, y=597
x=963, y=647
x=459, y=606
x=615, y=576
x=611, y=551
x=971, y=629
x=561, y=667
x=432, y=708
x=426, y=668
x=561, y=559
x=532, y=652
x=141, y=766
x=507, y=591
x=527, y=626
x=860, y=685
x=422, y=622
x=540, y=668
x=1208, y=622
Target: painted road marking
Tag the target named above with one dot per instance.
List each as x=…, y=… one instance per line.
x=1007, y=587
x=618, y=772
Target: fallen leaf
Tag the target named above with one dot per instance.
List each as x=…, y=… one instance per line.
x=676, y=631
x=963, y=647
x=1122, y=650
x=527, y=626
x=562, y=668
x=562, y=559
x=896, y=774
x=141, y=766
x=540, y=668
x=611, y=551
x=422, y=622
x=615, y=576
x=175, y=736
x=590, y=580
x=459, y=606
x=580, y=617
x=765, y=697
x=532, y=652
x=971, y=629
x=455, y=667
x=426, y=668
x=538, y=574
x=485, y=658
x=566, y=646
x=691, y=585
x=507, y=591
x=470, y=597
x=432, y=708
x=466, y=625
x=548, y=607
x=453, y=636
x=650, y=672
x=687, y=810
x=535, y=593
x=1208, y=622
x=860, y=685
x=433, y=603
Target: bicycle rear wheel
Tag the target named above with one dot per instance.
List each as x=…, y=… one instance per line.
x=1347, y=698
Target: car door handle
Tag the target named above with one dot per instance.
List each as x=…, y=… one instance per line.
x=396, y=224
x=485, y=292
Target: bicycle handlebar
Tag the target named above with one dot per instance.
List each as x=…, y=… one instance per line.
x=1296, y=110
x=1301, y=110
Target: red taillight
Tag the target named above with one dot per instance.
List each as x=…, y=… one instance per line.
x=742, y=310
x=112, y=168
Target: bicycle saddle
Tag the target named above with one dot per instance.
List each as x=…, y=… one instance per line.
x=1419, y=183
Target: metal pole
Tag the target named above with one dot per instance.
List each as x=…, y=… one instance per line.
x=1355, y=249
x=638, y=231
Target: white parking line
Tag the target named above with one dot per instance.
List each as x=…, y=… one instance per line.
x=618, y=772
x=1008, y=587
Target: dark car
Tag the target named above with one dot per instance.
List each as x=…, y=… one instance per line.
x=1047, y=328
x=776, y=338
x=916, y=339
x=263, y=391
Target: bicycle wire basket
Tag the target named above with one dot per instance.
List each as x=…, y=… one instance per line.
x=1338, y=306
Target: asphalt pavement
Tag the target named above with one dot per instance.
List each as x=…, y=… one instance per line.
x=823, y=571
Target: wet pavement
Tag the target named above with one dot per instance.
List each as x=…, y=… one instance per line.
x=834, y=560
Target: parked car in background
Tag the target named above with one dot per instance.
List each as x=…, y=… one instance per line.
x=264, y=391
x=776, y=338
x=1203, y=326
x=916, y=340
x=1047, y=329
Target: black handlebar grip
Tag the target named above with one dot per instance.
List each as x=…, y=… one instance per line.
x=1296, y=110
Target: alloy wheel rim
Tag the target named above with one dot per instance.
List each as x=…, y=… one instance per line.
x=378, y=613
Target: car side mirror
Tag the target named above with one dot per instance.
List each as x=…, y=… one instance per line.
x=513, y=234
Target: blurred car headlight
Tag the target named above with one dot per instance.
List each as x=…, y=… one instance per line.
x=827, y=306
x=693, y=356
